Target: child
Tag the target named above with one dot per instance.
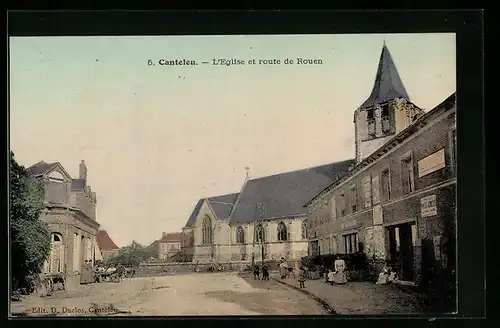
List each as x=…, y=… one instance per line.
x=302, y=278
x=256, y=272
x=265, y=272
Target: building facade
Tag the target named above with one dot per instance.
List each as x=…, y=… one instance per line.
x=169, y=246
x=265, y=221
x=70, y=211
x=398, y=203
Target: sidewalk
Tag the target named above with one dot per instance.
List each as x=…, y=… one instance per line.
x=360, y=298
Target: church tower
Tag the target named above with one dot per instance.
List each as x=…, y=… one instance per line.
x=386, y=112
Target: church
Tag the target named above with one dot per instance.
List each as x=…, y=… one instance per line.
x=265, y=220
x=336, y=207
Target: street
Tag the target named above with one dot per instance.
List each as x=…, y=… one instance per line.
x=177, y=295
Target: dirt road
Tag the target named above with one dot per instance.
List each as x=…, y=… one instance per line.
x=182, y=295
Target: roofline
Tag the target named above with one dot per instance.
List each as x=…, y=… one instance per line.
x=388, y=101
x=400, y=137
x=50, y=168
x=87, y=219
x=304, y=169
x=229, y=194
x=237, y=201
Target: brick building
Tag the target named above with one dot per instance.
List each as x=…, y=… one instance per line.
x=397, y=204
x=70, y=213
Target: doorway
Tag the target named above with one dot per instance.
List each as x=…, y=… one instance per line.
x=401, y=240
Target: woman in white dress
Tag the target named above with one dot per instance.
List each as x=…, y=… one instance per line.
x=339, y=276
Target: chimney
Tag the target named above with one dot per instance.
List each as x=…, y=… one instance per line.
x=163, y=234
x=83, y=170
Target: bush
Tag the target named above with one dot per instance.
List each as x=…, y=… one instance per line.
x=30, y=237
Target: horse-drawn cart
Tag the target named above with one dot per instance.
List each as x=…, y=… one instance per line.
x=46, y=284
x=109, y=274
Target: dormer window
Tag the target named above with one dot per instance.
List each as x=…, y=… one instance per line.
x=55, y=176
x=370, y=119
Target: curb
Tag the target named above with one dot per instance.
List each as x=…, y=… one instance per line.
x=321, y=301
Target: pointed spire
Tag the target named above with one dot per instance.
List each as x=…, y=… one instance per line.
x=247, y=176
x=388, y=84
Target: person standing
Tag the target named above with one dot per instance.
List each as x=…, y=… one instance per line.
x=302, y=278
x=283, y=269
x=340, y=276
x=265, y=272
x=256, y=272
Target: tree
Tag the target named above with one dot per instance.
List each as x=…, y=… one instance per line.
x=132, y=255
x=30, y=237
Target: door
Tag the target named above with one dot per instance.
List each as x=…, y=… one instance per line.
x=401, y=250
x=406, y=252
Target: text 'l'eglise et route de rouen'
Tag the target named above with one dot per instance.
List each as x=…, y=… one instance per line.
x=235, y=62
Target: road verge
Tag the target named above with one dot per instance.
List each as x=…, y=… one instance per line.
x=330, y=310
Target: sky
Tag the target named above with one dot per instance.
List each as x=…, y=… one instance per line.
x=156, y=138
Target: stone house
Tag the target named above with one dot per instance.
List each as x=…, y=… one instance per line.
x=265, y=220
x=106, y=246
x=398, y=203
x=169, y=245
x=70, y=211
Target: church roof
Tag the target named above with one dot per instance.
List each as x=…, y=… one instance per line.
x=105, y=242
x=221, y=205
x=388, y=84
x=41, y=168
x=284, y=194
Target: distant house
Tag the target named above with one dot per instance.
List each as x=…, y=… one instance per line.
x=169, y=246
x=107, y=246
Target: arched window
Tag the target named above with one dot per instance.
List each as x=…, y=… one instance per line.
x=282, y=233
x=304, y=229
x=55, y=262
x=259, y=233
x=207, y=231
x=191, y=239
x=240, y=235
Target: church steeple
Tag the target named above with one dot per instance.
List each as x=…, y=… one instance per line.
x=388, y=84
x=386, y=112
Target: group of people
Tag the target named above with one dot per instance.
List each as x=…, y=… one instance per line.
x=256, y=272
x=338, y=274
x=285, y=271
x=388, y=275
